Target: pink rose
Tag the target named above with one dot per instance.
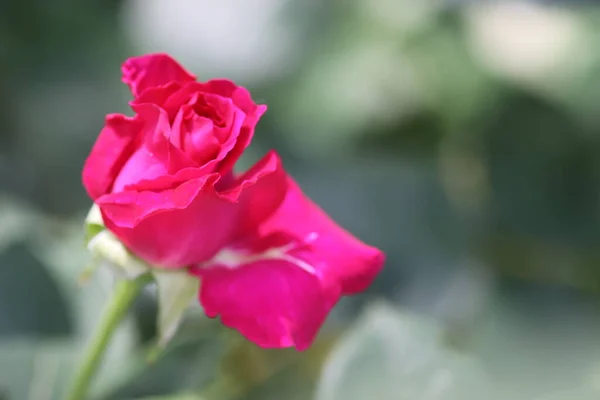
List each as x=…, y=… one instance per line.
x=271, y=262
x=163, y=178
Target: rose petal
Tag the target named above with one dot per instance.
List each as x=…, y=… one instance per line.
x=143, y=165
x=277, y=284
x=152, y=70
x=222, y=87
x=340, y=259
x=159, y=95
x=159, y=137
x=242, y=99
x=261, y=191
x=171, y=228
x=271, y=302
x=189, y=223
x=115, y=144
x=243, y=140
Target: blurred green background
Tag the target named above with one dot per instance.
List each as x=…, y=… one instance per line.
x=460, y=137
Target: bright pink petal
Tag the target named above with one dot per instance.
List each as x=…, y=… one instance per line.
x=239, y=139
x=115, y=144
x=243, y=140
x=158, y=138
x=277, y=284
x=141, y=166
x=225, y=88
x=152, y=70
x=155, y=155
x=261, y=191
x=242, y=98
x=158, y=95
x=181, y=219
x=207, y=128
x=271, y=302
x=340, y=259
x=171, y=228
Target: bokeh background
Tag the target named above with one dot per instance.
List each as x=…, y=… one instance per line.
x=463, y=138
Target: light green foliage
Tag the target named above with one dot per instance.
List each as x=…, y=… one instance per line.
x=176, y=291
x=390, y=355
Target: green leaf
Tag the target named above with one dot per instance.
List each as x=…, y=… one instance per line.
x=540, y=342
x=394, y=356
x=176, y=290
x=33, y=369
x=176, y=397
x=31, y=301
x=106, y=246
x=16, y=221
x=93, y=223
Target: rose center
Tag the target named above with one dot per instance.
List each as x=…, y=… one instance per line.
x=209, y=108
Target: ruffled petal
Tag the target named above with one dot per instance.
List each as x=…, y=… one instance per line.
x=115, y=145
x=158, y=95
x=342, y=261
x=171, y=228
x=182, y=219
x=240, y=138
x=271, y=302
x=152, y=70
x=276, y=284
x=260, y=190
x=158, y=138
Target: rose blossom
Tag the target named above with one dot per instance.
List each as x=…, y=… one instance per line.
x=163, y=178
x=272, y=264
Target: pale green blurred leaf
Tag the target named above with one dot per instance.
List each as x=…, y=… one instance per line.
x=34, y=369
x=31, y=301
x=393, y=356
x=176, y=290
x=15, y=221
x=539, y=341
x=574, y=394
x=176, y=397
x=93, y=223
x=106, y=246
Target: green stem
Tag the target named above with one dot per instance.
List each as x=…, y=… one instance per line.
x=123, y=296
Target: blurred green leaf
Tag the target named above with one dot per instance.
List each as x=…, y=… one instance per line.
x=34, y=369
x=540, y=341
x=112, y=253
x=176, y=290
x=16, y=221
x=176, y=397
x=93, y=223
x=393, y=356
x=31, y=302
x=574, y=394
x=187, y=366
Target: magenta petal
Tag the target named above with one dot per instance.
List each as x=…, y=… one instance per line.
x=261, y=190
x=115, y=144
x=158, y=95
x=277, y=284
x=342, y=261
x=271, y=302
x=152, y=70
x=158, y=138
x=243, y=140
x=172, y=228
x=339, y=256
x=176, y=226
